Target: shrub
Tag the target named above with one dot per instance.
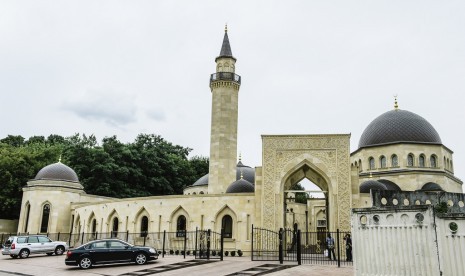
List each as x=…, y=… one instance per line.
x=233, y=253
x=240, y=253
x=159, y=252
x=213, y=253
x=188, y=252
x=176, y=252
x=171, y=252
x=226, y=253
x=182, y=252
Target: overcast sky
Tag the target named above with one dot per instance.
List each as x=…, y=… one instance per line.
x=308, y=67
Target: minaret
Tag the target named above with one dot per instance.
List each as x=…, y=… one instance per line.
x=224, y=85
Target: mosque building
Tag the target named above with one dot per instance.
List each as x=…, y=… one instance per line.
x=399, y=151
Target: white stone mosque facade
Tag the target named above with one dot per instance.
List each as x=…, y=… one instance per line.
x=399, y=150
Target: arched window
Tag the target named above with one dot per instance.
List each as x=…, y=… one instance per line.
x=448, y=164
x=114, y=229
x=433, y=161
x=144, y=226
x=94, y=227
x=394, y=161
x=360, y=165
x=181, y=226
x=410, y=162
x=28, y=211
x=445, y=163
x=421, y=161
x=226, y=224
x=371, y=161
x=382, y=161
x=45, y=218
x=451, y=166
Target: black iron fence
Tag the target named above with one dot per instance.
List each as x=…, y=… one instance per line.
x=200, y=243
x=292, y=245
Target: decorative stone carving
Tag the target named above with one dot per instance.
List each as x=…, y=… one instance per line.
x=328, y=155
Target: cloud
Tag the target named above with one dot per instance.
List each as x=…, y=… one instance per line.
x=156, y=114
x=112, y=108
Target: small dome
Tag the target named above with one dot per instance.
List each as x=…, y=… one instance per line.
x=372, y=185
x=431, y=186
x=248, y=174
x=57, y=171
x=240, y=186
x=390, y=186
x=398, y=126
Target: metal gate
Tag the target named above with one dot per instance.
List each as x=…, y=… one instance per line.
x=292, y=245
x=208, y=245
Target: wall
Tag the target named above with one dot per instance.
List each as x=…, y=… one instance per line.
x=8, y=225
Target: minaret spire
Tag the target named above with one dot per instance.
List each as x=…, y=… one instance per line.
x=225, y=47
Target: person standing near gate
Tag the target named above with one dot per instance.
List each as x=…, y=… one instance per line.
x=330, y=245
x=348, y=248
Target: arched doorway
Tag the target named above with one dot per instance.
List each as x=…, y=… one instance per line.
x=289, y=159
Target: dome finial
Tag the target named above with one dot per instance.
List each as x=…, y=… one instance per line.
x=242, y=176
x=371, y=176
x=59, y=159
x=396, y=106
x=226, y=27
x=240, y=157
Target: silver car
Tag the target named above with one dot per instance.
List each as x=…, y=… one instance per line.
x=23, y=246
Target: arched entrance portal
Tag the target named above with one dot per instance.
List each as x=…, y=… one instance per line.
x=305, y=200
x=287, y=160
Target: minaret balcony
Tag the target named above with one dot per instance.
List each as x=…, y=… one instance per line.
x=225, y=76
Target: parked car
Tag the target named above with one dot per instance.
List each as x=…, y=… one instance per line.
x=23, y=246
x=109, y=251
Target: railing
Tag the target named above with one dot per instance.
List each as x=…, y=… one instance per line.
x=228, y=76
x=181, y=243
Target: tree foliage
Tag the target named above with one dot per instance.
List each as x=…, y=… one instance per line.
x=148, y=166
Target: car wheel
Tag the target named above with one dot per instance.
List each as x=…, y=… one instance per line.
x=49, y=254
x=85, y=263
x=59, y=250
x=23, y=254
x=141, y=258
x=14, y=256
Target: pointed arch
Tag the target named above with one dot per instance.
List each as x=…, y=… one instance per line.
x=45, y=221
x=226, y=219
x=179, y=219
x=306, y=169
x=113, y=222
x=92, y=224
x=141, y=222
x=27, y=212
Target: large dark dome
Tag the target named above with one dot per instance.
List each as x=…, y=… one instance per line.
x=57, y=171
x=240, y=186
x=398, y=126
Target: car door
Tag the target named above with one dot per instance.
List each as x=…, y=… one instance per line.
x=120, y=251
x=33, y=244
x=46, y=244
x=98, y=252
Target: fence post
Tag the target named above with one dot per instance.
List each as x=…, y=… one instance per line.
x=69, y=240
x=195, y=246
x=127, y=236
x=299, y=247
x=185, y=242
x=280, y=247
x=58, y=238
x=163, y=247
x=221, y=245
x=251, y=255
x=338, y=249
x=145, y=236
x=208, y=244
x=82, y=238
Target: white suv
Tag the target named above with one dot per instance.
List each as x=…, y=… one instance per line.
x=23, y=246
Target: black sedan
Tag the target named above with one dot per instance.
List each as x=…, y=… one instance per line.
x=109, y=251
